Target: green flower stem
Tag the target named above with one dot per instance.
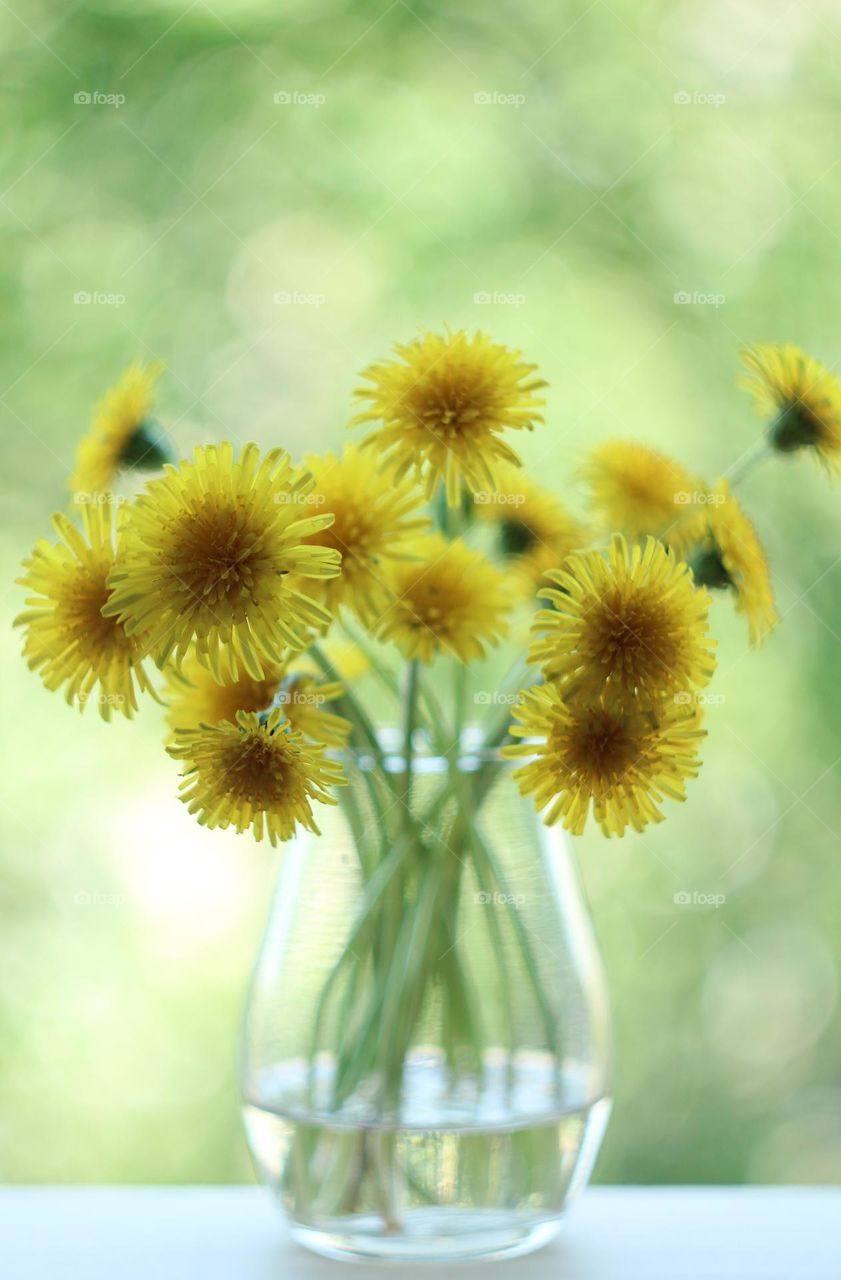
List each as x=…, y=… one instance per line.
x=464, y=1026
x=748, y=462
x=354, y=712
x=512, y=684
x=409, y=714
x=435, y=722
x=383, y=1152
x=359, y=829
x=365, y=934
x=359, y=936
x=486, y=886
x=405, y=984
x=381, y=671
x=491, y=869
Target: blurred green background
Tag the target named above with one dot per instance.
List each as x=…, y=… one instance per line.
x=563, y=176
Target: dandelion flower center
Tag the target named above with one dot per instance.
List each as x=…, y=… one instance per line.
x=79, y=611
x=599, y=746
x=219, y=554
x=634, y=638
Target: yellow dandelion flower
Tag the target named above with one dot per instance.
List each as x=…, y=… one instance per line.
x=68, y=641
x=257, y=772
x=123, y=434
x=195, y=698
x=442, y=405
x=447, y=599
x=628, y=626
x=618, y=761
x=802, y=398
x=536, y=531
x=723, y=550
x=206, y=554
x=372, y=518
x=636, y=490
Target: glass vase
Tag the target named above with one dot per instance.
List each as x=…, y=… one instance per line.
x=426, y=1048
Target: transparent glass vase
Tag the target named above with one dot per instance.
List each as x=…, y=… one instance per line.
x=426, y=1050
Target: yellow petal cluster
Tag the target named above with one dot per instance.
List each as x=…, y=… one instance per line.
x=257, y=773
x=195, y=698
x=68, y=640
x=121, y=434
x=447, y=599
x=800, y=397
x=637, y=491
x=442, y=405
x=724, y=552
x=212, y=556
x=624, y=650
x=613, y=761
x=373, y=518
x=536, y=530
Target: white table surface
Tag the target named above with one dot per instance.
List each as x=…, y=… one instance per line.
x=235, y=1233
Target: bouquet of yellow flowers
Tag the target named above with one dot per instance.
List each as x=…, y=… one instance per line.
x=246, y=592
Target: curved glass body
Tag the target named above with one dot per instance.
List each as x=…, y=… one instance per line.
x=426, y=1052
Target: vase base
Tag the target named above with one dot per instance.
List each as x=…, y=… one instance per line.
x=431, y=1235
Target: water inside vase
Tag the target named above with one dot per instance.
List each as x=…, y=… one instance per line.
x=473, y=1168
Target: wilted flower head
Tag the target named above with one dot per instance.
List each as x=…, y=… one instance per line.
x=123, y=436
x=801, y=398
x=724, y=553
